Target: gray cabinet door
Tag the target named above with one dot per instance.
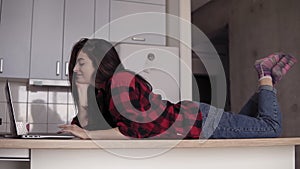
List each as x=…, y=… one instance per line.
x=79, y=23
x=57, y=26
x=15, y=32
x=102, y=19
x=131, y=22
x=47, y=39
x=158, y=65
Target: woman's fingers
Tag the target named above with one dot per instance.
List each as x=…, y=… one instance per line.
x=68, y=128
x=61, y=126
x=75, y=130
x=63, y=129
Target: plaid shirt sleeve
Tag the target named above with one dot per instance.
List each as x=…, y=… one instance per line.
x=139, y=113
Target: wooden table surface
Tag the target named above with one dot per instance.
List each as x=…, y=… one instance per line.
x=126, y=144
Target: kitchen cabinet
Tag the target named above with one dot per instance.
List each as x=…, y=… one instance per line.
x=37, y=38
x=267, y=153
x=57, y=26
x=79, y=23
x=102, y=19
x=157, y=64
x=14, y=158
x=47, y=39
x=145, y=28
x=15, y=33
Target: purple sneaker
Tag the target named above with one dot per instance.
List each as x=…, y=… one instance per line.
x=264, y=66
x=282, y=67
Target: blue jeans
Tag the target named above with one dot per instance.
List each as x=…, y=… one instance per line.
x=259, y=118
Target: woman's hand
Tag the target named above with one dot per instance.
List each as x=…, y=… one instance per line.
x=111, y=134
x=75, y=130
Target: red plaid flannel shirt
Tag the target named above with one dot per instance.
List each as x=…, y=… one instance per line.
x=139, y=113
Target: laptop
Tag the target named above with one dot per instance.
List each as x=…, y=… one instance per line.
x=19, y=130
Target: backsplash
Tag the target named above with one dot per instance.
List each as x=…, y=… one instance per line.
x=44, y=108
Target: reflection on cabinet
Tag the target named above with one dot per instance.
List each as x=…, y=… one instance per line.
x=126, y=26
x=15, y=33
x=159, y=65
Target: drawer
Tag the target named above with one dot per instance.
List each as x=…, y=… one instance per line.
x=132, y=23
x=14, y=154
x=158, y=2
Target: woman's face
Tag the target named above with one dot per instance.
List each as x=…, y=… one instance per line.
x=84, y=69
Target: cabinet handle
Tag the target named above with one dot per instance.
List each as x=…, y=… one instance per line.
x=57, y=68
x=67, y=68
x=138, y=39
x=1, y=65
x=1, y=10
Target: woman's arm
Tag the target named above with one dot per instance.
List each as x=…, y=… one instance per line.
x=110, y=134
x=82, y=103
x=113, y=134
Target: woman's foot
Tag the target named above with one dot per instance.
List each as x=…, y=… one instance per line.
x=282, y=67
x=264, y=66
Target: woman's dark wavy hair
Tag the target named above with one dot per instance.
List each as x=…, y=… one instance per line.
x=106, y=62
x=104, y=57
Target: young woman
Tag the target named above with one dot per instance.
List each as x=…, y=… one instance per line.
x=114, y=103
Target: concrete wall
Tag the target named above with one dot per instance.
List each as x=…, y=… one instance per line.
x=256, y=29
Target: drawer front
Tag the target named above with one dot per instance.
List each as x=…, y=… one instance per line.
x=158, y=65
x=14, y=154
x=131, y=22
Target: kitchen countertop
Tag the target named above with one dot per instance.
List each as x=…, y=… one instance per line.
x=142, y=144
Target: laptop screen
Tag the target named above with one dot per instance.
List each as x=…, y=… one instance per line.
x=11, y=111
